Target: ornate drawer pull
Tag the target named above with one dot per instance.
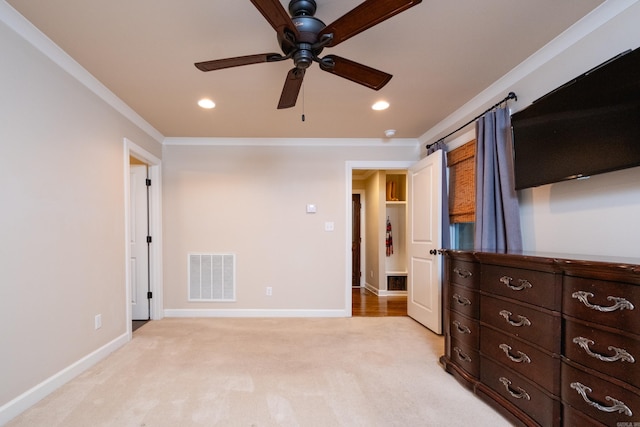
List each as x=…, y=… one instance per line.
x=621, y=354
x=518, y=393
x=461, y=328
x=620, y=303
x=465, y=274
x=519, y=359
x=461, y=300
x=524, y=284
x=618, y=406
x=522, y=321
x=461, y=355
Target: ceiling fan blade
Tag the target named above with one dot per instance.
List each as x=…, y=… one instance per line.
x=277, y=16
x=366, y=15
x=291, y=88
x=350, y=70
x=218, y=64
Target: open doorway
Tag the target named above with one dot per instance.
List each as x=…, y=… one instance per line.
x=144, y=276
x=371, y=296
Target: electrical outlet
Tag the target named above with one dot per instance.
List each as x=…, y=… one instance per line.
x=371, y=273
x=269, y=291
x=98, y=321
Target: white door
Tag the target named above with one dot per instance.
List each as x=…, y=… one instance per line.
x=424, y=237
x=139, y=247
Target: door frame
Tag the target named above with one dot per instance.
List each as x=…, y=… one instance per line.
x=155, y=227
x=350, y=165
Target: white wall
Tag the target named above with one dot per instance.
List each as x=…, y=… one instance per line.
x=249, y=198
x=62, y=244
x=594, y=216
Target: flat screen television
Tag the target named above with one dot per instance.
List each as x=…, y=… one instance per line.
x=587, y=126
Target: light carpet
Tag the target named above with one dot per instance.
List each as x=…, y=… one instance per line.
x=360, y=371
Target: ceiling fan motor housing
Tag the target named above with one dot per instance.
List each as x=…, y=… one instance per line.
x=308, y=27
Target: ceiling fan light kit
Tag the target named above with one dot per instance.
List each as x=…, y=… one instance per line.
x=302, y=37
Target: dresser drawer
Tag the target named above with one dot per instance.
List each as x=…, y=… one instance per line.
x=542, y=328
x=464, y=273
x=464, y=300
x=601, y=400
x=535, y=287
x=613, y=304
x=607, y=352
x=465, y=357
x=464, y=329
x=574, y=418
x=521, y=392
x=536, y=365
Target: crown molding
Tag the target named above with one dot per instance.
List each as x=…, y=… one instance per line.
x=295, y=142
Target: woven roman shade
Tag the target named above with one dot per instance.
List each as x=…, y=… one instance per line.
x=462, y=183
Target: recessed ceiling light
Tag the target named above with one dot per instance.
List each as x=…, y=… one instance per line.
x=380, y=105
x=206, y=103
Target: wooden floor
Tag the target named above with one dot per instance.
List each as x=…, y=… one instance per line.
x=367, y=304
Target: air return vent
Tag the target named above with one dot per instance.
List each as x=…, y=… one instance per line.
x=212, y=277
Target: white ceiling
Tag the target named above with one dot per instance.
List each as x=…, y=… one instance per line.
x=441, y=53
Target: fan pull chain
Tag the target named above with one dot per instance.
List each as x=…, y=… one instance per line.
x=303, y=102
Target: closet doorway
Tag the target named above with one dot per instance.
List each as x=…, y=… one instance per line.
x=371, y=259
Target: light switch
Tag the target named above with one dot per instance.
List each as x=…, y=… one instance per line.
x=329, y=226
x=311, y=208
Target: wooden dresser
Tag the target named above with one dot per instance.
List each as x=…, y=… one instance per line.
x=547, y=340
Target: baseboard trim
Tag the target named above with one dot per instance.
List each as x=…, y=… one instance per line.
x=372, y=289
x=29, y=398
x=253, y=313
x=385, y=293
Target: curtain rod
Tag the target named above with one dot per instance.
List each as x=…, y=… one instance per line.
x=511, y=95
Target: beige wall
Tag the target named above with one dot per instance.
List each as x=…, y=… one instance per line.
x=61, y=218
x=250, y=200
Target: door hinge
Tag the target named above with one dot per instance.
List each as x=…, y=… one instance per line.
x=148, y=182
x=149, y=295
x=149, y=239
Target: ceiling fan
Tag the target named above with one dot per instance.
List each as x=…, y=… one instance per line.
x=302, y=37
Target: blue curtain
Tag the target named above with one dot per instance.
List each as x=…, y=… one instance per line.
x=446, y=233
x=497, y=210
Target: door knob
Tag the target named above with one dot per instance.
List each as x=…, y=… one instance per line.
x=433, y=252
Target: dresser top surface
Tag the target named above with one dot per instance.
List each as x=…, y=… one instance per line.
x=594, y=266
x=551, y=257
